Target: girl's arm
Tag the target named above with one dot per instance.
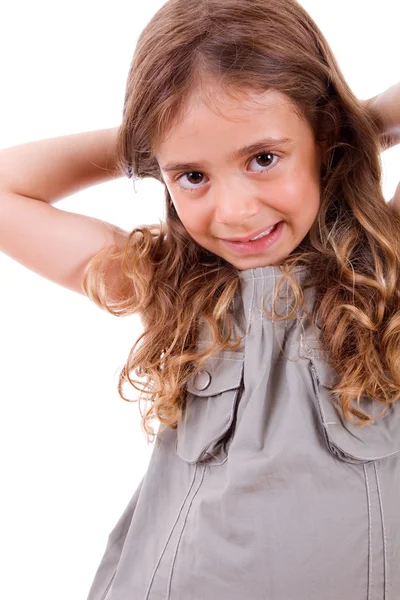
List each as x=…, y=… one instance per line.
x=51, y=242
x=386, y=108
x=51, y=169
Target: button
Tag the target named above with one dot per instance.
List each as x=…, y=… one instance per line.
x=202, y=380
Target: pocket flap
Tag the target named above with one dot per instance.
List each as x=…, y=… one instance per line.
x=210, y=408
x=218, y=374
x=378, y=440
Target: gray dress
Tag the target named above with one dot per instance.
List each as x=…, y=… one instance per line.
x=263, y=491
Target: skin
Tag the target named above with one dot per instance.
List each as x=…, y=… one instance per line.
x=234, y=198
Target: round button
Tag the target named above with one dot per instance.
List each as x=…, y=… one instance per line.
x=202, y=380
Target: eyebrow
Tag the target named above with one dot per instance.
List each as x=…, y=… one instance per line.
x=260, y=145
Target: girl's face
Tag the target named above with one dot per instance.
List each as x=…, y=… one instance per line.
x=223, y=189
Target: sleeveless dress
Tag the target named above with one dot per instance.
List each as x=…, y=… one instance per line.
x=264, y=490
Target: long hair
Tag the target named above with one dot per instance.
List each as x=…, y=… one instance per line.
x=352, y=249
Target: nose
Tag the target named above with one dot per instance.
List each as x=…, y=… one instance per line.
x=234, y=202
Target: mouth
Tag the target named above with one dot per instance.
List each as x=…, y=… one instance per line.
x=261, y=242
x=255, y=236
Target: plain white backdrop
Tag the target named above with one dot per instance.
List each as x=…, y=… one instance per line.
x=72, y=451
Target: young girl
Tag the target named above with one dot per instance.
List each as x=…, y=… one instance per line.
x=270, y=304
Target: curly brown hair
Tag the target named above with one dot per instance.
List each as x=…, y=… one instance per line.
x=352, y=250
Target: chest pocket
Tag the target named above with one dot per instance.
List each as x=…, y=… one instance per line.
x=203, y=430
x=346, y=441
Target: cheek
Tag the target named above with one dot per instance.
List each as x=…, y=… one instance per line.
x=300, y=197
x=193, y=217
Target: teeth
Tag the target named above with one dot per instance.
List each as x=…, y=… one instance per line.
x=266, y=232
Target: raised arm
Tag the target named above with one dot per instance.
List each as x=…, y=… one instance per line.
x=386, y=107
x=54, y=243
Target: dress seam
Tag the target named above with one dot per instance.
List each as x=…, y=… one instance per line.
x=169, y=536
x=168, y=596
x=369, y=535
x=383, y=532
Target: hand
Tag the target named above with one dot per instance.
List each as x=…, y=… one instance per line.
x=386, y=139
x=385, y=110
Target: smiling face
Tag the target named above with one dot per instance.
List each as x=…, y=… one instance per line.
x=221, y=194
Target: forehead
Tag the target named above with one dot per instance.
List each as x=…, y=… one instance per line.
x=237, y=104
x=213, y=117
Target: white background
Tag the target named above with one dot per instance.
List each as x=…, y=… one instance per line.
x=72, y=451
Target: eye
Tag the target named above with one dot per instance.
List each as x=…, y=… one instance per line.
x=263, y=157
x=192, y=175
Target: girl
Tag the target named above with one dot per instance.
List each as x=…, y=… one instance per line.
x=270, y=304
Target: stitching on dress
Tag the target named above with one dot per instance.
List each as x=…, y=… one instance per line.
x=264, y=276
x=324, y=421
x=217, y=436
x=262, y=298
x=168, y=596
x=369, y=535
x=383, y=531
x=224, y=358
x=170, y=534
x=251, y=306
x=273, y=298
x=104, y=596
x=287, y=307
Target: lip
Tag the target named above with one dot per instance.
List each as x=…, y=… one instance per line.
x=261, y=245
x=249, y=236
